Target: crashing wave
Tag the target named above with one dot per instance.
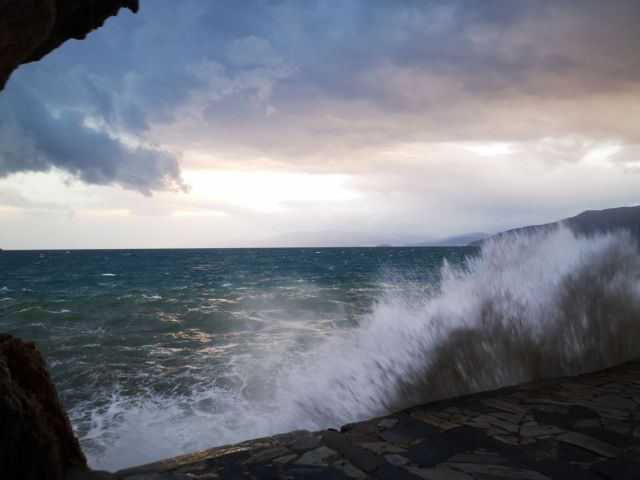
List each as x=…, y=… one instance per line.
x=526, y=307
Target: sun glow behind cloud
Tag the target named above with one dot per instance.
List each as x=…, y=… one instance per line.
x=268, y=191
x=493, y=149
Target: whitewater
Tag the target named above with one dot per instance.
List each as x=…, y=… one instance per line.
x=413, y=326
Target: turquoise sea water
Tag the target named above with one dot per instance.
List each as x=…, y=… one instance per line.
x=160, y=352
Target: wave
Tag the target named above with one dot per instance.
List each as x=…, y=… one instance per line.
x=530, y=306
x=526, y=307
x=44, y=310
x=151, y=297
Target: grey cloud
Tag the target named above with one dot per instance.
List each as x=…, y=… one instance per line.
x=432, y=69
x=251, y=51
x=326, y=76
x=490, y=48
x=37, y=139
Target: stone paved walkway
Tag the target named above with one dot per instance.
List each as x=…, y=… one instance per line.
x=585, y=427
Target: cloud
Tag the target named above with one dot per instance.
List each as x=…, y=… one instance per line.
x=324, y=84
x=14, y=199
x=34, y=138
x=327, y=86
x=251, y=51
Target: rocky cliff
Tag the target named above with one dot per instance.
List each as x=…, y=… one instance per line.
x=589, y=222
x=29, y=29
x=36, y=438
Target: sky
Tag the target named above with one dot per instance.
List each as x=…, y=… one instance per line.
x=280, y=123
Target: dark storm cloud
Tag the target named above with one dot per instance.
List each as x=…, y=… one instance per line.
x=35, y=139
x=489, y=48
x=256, y=71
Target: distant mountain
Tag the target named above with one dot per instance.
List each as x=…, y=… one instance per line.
x=591, y=221
x=329, y=238
x=456, y=241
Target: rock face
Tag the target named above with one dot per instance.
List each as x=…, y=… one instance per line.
x=29, y=29
x=36, y=439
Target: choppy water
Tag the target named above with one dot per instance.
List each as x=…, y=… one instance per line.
x=159, y=352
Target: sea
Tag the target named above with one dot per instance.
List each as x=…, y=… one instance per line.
x=157, y=353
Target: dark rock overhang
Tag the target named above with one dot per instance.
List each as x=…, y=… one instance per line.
x=30, y=29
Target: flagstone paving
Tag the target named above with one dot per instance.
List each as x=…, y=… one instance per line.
x=585, y=427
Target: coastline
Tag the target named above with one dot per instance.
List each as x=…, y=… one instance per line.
x=587, y=426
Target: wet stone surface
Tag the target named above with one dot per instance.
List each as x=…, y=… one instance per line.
x=580, y=427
